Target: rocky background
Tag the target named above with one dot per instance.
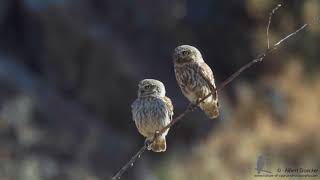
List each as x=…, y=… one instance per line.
x=69, y=71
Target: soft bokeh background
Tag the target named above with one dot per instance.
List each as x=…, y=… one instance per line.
x=69, y=71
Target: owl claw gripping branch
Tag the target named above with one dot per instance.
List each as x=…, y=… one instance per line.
x=195, y=79
x=151, y=112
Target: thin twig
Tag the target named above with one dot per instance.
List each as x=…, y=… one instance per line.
x=130, y=163
x=290, y=35
x=269, y=22
x=259, y=58
x=192, y=107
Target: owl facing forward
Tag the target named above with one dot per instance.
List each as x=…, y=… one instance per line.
x=152, y=111
x=195, y=79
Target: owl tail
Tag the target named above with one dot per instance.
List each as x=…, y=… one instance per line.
x=211, y=109
x=159, y=145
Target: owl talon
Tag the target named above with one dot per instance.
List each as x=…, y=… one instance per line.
x=147, y=143
x=198, y=101
x=193, y=107
x=157, y=133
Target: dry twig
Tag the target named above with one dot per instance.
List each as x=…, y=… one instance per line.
x=269, y=22
x=192, y=107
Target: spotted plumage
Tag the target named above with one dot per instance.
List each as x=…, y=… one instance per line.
x=152, y=111
x=195, y=78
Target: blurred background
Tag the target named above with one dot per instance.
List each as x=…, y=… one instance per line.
x=69, y=71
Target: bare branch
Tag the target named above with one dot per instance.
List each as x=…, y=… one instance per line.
x=192, y=107
x=290, y=35
x=260, y=58
x=130, y=163
x=269, y=22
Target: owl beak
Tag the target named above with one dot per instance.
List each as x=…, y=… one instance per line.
x=182, y=60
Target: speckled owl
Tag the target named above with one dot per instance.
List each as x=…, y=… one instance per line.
x=152, y=111
x=195, y=79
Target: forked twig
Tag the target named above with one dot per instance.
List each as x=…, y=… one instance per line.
x=260, y=57
x=192, y=107
x=269, y=22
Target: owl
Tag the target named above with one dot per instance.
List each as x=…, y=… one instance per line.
x=195, y=79
x=152, y=111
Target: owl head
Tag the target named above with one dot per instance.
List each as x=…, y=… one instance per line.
x=151, y=87
x=186, y=54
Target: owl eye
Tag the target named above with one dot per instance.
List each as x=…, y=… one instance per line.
x=147, y=87
x=185, y=53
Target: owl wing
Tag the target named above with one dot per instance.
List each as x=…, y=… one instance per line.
x=207, y=74
x=134, y=107
x=169, y=106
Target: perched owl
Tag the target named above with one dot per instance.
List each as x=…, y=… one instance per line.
x=152, y=111
x=195, y=79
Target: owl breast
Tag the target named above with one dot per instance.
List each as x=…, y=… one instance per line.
x=191, y=83
x=150, y=115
